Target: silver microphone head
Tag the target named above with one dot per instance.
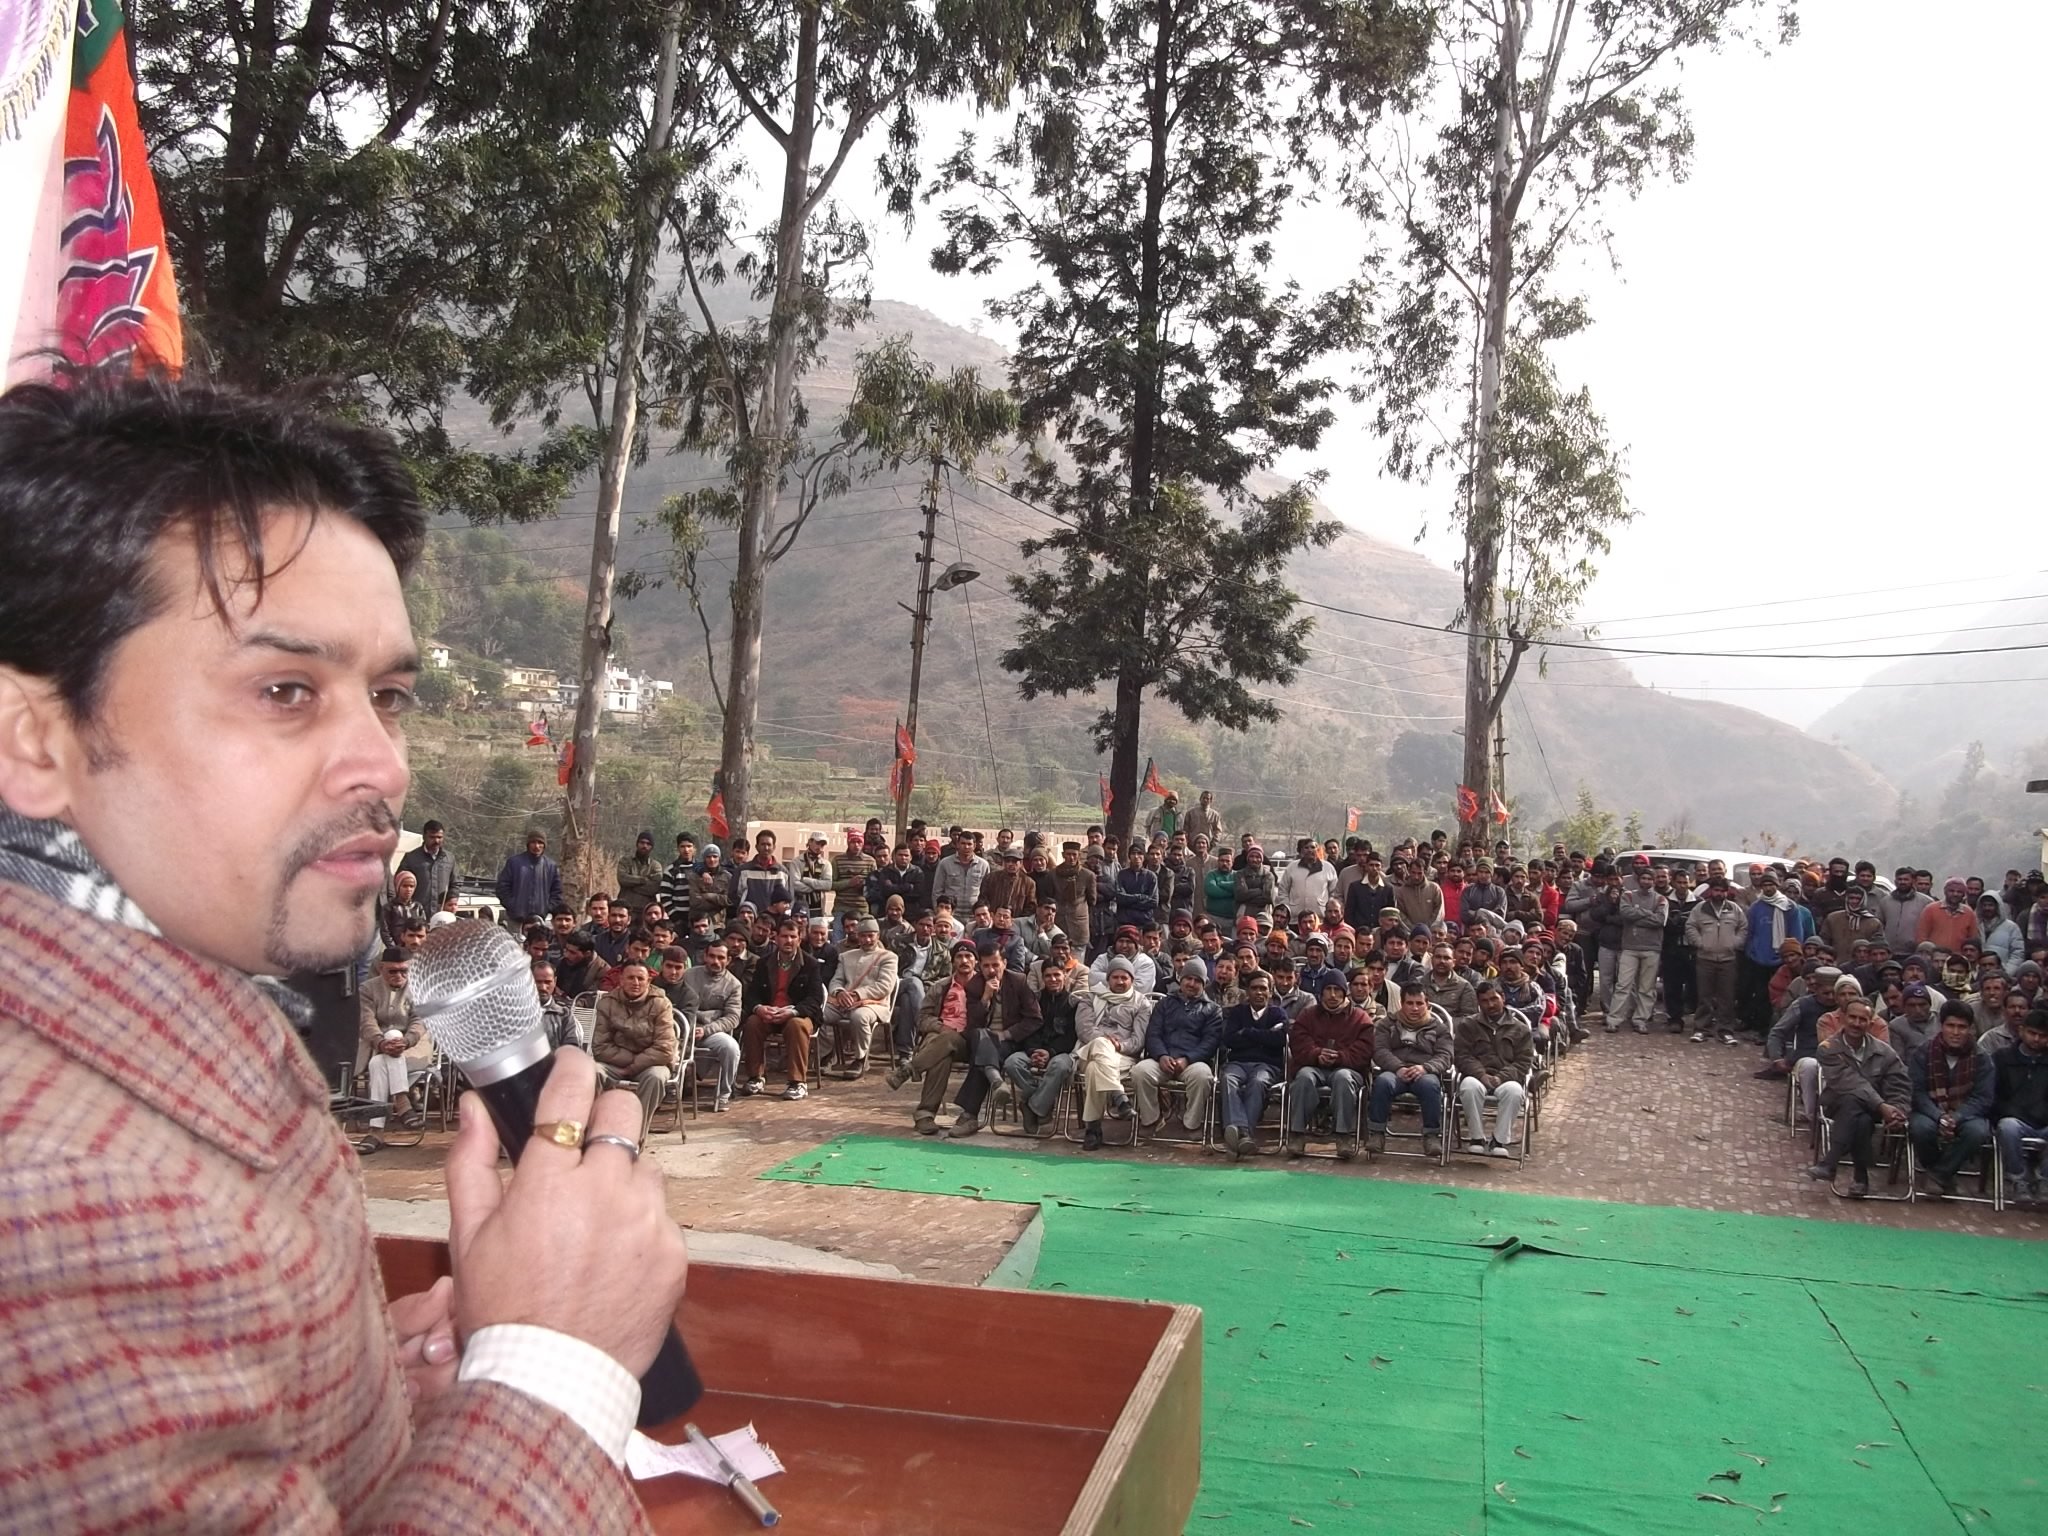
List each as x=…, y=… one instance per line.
x=472, y=985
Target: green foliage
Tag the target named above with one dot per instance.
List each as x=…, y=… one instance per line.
x=935, y=801
x=1042, y=805
x=1555, y=110
x=488, y=599
x=1159, y=351
x=403, y=198
x=489, y=679
x=1589, y=829
x=1561, y=492
x=435, y=689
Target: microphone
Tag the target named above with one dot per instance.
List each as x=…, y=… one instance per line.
x=473, y=986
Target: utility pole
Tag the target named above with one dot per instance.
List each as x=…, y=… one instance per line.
x=1500, y=739
x=955, y=575
x=920, y=621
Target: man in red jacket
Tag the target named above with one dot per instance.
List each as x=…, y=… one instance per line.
x=205, y=665
x=1329, y=1046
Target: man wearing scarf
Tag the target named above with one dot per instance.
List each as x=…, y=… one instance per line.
x=1774, y=917
x=205, y=665
x=1954, y=1087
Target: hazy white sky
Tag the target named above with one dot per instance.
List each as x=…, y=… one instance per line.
x=1822, y=354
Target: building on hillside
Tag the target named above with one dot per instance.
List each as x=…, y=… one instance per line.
x=437, y=656
x=629, y=695
x=531, y=685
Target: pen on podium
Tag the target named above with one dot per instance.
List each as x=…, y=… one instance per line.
x=737, y=1480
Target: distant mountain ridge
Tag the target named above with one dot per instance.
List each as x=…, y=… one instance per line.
x=836, y=665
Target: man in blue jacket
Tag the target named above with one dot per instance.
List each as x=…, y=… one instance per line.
x=1255, y=1037
x=1180, y=1045
x=530, y=885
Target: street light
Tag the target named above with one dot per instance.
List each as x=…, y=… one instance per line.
x=958, y=574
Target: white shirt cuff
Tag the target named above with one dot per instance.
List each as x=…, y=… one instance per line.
x=577, y=1379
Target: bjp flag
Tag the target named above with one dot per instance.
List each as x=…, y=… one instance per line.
x=115, y=296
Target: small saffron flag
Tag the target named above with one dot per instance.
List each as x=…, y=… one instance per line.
x=1468, y=804
x=1107, y=799
x=1152, y=785
x=1351, y=815
x=1500, y=808
x=714, y=815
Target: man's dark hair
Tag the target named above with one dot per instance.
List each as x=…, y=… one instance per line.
x=538, y=935
x=430, y=827
x=97, y=465
x=1413, y=989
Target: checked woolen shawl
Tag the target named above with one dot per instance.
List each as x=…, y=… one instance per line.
x=195, y=1335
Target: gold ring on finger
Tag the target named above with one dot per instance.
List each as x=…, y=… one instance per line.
x=563, y=1133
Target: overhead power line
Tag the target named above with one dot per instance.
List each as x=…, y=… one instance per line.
x=1641, y=650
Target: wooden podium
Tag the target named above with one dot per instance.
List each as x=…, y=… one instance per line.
x=927, y=1410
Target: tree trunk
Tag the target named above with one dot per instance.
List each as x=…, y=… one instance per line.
x=579, y=811
x=1123, y=761
x=1482, y=526
x=1130, y=688
x=761, y=488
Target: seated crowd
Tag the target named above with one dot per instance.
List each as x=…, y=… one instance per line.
x=1141, y=981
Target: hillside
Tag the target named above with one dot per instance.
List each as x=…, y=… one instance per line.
x=1897, y=718
x=837, y=670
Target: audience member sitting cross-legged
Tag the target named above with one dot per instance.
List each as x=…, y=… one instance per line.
x=1109, y=1035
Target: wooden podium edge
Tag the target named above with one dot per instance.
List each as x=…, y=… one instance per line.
x=1145, y=1478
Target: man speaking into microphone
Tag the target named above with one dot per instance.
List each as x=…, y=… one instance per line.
x=205, y=667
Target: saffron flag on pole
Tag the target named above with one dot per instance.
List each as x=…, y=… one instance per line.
x=1351, y=815
x=565, y=764
x=1107, y=798
x=901, y=779
x=1152, y=785
x=115, y=295
x=1468, y=804
x=1500, y=808
x=714, y=815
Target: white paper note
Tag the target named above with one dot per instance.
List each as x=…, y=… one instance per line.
x=742, y=1447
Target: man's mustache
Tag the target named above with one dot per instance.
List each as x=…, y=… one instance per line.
x=368, y=816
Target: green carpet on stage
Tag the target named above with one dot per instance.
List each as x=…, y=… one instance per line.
x=1400, y=1358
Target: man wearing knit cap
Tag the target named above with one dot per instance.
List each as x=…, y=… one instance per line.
x=1180, y=1046
x=640, y=876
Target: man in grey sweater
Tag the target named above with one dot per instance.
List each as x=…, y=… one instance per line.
x=1644, y=910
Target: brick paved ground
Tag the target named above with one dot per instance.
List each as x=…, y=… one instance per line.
x=1649, y=1119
